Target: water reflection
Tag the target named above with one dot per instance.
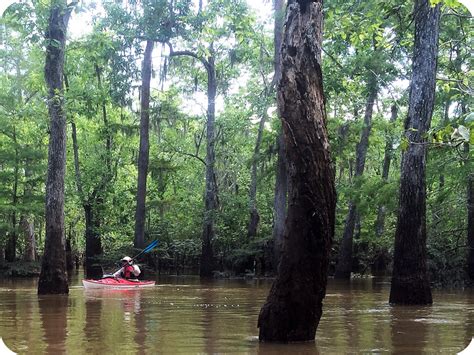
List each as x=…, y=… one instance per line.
x=409, y=328
x=297, y=348
x=92, y=329
x=53, y=315
x=140, y=325
x=115, y=318
x=221, y=317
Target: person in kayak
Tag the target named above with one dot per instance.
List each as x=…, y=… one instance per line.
x=128, y=270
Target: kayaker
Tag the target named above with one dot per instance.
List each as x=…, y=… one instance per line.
x=129, y=270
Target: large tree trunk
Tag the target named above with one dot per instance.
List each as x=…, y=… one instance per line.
x=410, y=283
x=143, y=155
x=53, y=277
x=207, y=255
x=281, y=181
x=380, y=223
x=294, y=305
x=344, y=265
x=280, y=201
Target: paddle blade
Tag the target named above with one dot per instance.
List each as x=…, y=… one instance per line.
x=150, y=246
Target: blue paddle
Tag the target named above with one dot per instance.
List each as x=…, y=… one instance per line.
x=149, y=248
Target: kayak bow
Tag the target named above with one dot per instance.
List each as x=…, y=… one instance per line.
x=111, y=283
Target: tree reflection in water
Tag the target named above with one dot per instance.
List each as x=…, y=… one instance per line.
x=53, y=315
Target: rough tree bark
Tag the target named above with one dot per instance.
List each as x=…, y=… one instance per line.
x=143, y=155
x=380, y=222
x=281, y=181
x=344, y=264
x=410, y=283
x=53, y=276
x=294, y=306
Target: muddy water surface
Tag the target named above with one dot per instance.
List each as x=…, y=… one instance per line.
x=183, y=315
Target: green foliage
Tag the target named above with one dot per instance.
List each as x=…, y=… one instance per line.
x=365, y=44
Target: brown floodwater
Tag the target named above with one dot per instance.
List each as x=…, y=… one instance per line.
x=183, y=315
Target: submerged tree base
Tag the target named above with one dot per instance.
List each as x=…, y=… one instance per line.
x=293, y=308
x=55, y=283
x=410, y=291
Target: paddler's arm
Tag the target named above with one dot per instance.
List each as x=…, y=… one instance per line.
x=117, y=273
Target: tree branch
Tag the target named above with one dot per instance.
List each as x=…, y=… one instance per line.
x=189, y=54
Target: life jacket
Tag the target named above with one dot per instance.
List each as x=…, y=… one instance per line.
x=127, y=272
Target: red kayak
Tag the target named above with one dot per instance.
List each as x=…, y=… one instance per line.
x=111, y=283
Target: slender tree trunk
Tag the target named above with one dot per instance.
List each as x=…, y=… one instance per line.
x=410, y=283
x=380, y=223
x=30, y=243
x=254, y=216
x=10, y=250
x=93, y=243
x=90, y=206
x=108, y=137
x=26, y=220
x=294, y=306
x=281, y=180
x=207, y=254
x=344, y=265
x=53, y=277
x=470, y=220
x=143, y=155
x=69, y=256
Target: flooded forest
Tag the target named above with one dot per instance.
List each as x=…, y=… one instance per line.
x=235, y=176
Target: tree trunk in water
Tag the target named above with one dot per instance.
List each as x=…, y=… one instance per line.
x=294, y=306
x=143, y=155
x=207, y=254
x=410, y=283
x=281, y=181
x=93, y=244
x=344, y=264
x=380, y=223
x=53, y=276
